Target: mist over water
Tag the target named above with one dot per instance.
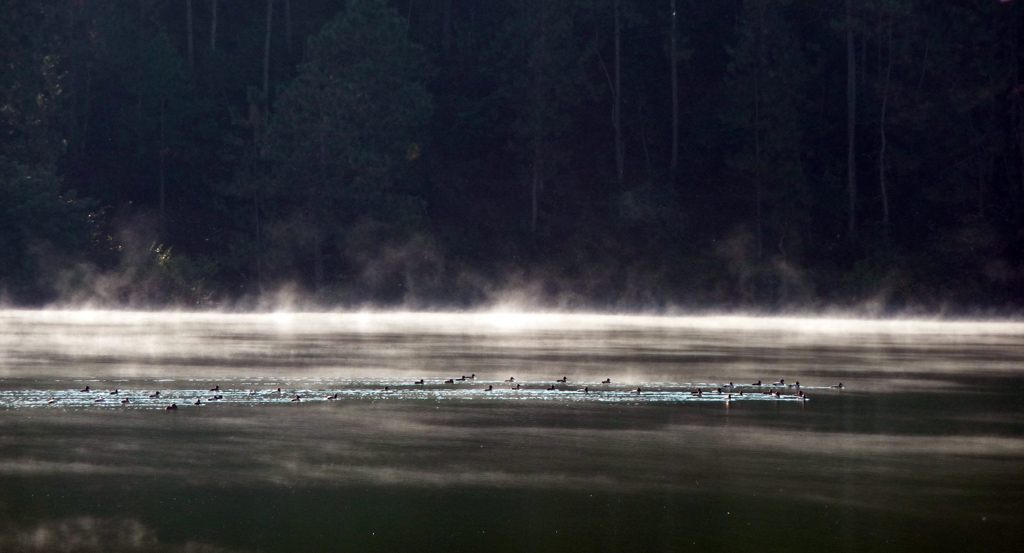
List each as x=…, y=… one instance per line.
x=922, y=447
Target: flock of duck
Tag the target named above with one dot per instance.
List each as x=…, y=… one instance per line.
x=726, y=392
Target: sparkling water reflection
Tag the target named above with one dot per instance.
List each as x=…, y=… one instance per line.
x=921, y=449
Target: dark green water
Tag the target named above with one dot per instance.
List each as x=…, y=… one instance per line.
x=923, y=449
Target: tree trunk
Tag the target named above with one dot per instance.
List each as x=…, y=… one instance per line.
x=259, y=246
x=191, y=49
x=288, y=27
x=266, y=57
x=538, y=100
x=617, y=107
x=762, y=62
x=446, y=29
x=851, y=125
x=675, y=95
x=881, y=132
x=163, y=172
x=213, y=26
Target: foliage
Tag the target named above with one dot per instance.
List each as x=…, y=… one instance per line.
x=399, y=154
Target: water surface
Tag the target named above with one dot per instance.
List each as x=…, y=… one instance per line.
x=922, y=448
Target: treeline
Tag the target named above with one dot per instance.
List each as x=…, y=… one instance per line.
x=610, y=154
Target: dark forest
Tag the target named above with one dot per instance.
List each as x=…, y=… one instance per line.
x=619, y=155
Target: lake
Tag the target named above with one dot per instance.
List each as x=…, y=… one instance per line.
x=311, y=433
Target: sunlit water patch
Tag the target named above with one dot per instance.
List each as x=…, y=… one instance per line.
x=165, y=392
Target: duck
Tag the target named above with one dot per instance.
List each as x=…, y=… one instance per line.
x=585, y=390
x=472, y=376
x=511, y=379
x=552, y=388
x=114, y=393
x=697, y=393
x=637, y=391
x=297, y=398
x=99, y=400
x=462, y=378
x=155, y=395
x=563, y=380
x=51, y=401
x=125, y=401
x=449, y=381
x=386, y=389
x=172, y=407
x=213, y=398
x=277, y=391
x=489, y=389
x=516, y=387
x=837, y=386
x=606, y=381
x=718, y=391
x=796, y=385
x=729, y=386
x=758, y=383
x=419, y=382
x=332, y=398
x=215, y=388
x=198, y=402
x=780, y=383
x=85, y=390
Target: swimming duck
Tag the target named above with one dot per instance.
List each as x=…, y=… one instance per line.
x=155, y=395
x=489, y=389
x=552, y=388
x=297, y=398
x=332, y=398
x=781, y=382
x=98, y=400
x=697, y=393
x=758, y=383
x=449, y=381
x=198, y=402
x=796, y=385
x=114, y=393
x=215, y=388
x=837, y=386
x=462, y=378
x=516, y=387
x=85, y=390
x=636, y=391
x=171, y=407
x=125, y=401
x=511, y=379
x=606, y=381
x=51, y=401
x=420, y=382
x=386, y=389
x=563, y=380
x=585, y=390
